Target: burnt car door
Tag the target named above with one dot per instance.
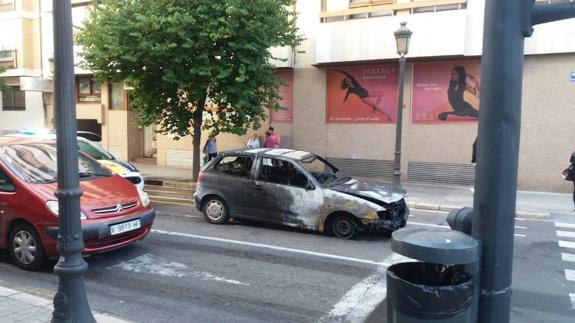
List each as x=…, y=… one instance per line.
x=283, y=192
x=229, y=178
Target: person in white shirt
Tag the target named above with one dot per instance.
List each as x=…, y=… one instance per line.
x=254, y=142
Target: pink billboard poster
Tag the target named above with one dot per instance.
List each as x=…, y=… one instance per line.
x=362, y=94
x=285, y=114
x=446, y=92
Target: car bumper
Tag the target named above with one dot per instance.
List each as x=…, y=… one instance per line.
x=197, y=202
x=390, y=221
x=98, y=236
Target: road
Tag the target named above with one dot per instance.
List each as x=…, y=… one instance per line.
x=190, y=271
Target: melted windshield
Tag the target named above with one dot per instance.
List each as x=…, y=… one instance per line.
x=36, y=163
x=324, y=172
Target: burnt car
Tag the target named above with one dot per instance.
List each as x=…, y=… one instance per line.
x=298, y=189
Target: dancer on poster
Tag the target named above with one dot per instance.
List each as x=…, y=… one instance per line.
x=457, y=87
x=372, y=99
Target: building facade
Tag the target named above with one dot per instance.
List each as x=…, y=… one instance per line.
x=341, y=94
x=22, y=101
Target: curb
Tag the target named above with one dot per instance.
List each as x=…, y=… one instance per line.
x=158, y=181
x=166, y=182
x=42, y=304
x=449, y=208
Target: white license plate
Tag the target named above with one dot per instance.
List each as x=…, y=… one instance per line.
x=125, y=227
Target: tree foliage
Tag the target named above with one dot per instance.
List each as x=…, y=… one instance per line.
x=180, y=54
x=2, y=84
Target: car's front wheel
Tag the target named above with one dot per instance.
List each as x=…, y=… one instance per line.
x=26, y=247
x=344, y=226
x=216, y=210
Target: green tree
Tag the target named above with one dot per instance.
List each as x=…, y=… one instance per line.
x=182, y=56
x=2, y=84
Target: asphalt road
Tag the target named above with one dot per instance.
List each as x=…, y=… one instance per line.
x=190, y=271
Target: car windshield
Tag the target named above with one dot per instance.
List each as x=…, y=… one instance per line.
x=94, y=151
x=36, y=163
x=325, y=173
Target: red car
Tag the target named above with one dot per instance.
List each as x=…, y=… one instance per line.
x=114, y=213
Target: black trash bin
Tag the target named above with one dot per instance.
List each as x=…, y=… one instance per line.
x=440, y=289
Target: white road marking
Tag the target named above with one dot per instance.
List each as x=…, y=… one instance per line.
x=434, y=211
x=566, y=234
x=567, y=244
x=178, y=214
x=363, y=297
x=565, y=225
x=171, y=198
x=157, y=191
x=570, y=274
x=568, y=257
x=520, y=227
x=518, y=235
x=572, y=297
x=172, y=203
x=271, y=247
x=151, y=264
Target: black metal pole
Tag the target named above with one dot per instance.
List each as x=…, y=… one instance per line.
x=399, y=126
x=507, y=22
x=70, y=302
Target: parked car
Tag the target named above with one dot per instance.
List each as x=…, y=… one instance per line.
x=94, y=150
x=122, y=168
x=114, y=213
x=295, y=188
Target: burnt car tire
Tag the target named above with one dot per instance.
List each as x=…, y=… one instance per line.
x=216, y=210
x=344, y=226
x=26, y=248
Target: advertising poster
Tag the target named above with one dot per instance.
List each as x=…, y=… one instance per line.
x=362, y=94
x=285, y=114
x=446, y=92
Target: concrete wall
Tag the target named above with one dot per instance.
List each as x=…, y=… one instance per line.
x=548, y=111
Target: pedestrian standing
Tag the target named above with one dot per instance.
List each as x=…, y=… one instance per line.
x=210, y=148
x=474, y=158
x=272, y=139
x=254, y=142
x=569, y=174
x=474, y=152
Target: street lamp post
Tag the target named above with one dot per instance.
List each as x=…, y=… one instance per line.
x=70, y=302
x=402, y=36
x=507, y=23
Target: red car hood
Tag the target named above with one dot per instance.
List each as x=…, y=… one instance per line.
x=97, y=193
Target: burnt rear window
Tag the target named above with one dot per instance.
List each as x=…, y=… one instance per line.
x=240, y=166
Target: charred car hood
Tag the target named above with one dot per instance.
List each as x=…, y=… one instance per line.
x=370, y=190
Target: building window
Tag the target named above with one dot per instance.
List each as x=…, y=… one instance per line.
x=7, y=58
x=117, y=96
x=13, y=99
x=6, y=5
x=89, y=90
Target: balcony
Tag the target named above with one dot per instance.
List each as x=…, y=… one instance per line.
x=338, y=10
x=363, y=31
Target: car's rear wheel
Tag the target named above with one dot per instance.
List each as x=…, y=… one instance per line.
x=343, y=226
x=26, y=247
x=215, y=210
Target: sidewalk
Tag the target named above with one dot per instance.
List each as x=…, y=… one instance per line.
x=16, y=306
x=419, y=196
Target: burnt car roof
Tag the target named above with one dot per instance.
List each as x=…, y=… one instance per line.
x=272, y=152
